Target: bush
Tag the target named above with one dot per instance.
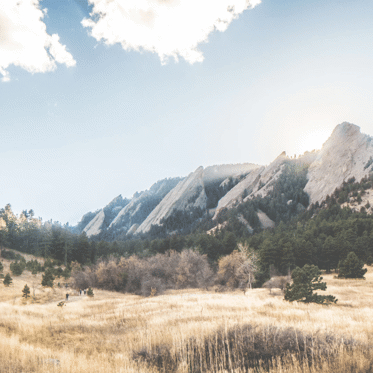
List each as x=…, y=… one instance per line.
x=10, y=255
x=277, y=282
x=34, y=266
x=171, y=270
x=193, y=270
x=305, y=281
x=17, y=268
x=352, y=267
x=237, y=269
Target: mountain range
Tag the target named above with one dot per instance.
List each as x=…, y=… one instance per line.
x=176, y=204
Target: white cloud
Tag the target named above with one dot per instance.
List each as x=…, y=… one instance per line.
x=24, y=41
x=170, y=28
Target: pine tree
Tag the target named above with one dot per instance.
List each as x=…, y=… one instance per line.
x=66, y=273
x=17, y=268
x=370, y=260
x=7, y=280
x=26, y=291
x=90, y=292
x=305, y=281
x=352, y=267
x=48, y=278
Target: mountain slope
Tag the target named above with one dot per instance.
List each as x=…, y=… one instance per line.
x=343, y=156
x=193, y=194
x=105, y=216
x=141, y=205
x=175, y=205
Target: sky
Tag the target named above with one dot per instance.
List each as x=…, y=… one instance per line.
x=105, y=97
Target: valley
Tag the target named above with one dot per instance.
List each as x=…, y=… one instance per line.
x=104, y=333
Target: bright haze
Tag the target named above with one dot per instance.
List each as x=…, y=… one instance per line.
x=105, y=97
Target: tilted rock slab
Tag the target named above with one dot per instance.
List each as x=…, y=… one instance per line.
x=343, y=156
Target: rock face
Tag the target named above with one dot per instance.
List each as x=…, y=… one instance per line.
x=256, y=183
x=343, y=156
x=193, y=193
x=265, y=221
x=165, y=197
x=346, y=154
x=259, y=182
x=187, y=194
x=141, y=205
x=104, y=217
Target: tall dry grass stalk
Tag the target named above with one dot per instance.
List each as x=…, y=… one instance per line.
x=104, y=334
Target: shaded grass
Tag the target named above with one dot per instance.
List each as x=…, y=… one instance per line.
x=249, y=346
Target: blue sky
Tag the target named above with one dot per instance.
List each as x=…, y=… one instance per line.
x=102, y=120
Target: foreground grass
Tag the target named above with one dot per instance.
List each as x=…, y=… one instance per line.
x=104, y=334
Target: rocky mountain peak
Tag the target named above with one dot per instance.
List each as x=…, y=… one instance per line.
x=343, y=156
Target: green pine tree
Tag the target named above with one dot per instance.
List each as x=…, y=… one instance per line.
x=1, y=267
x=7, y=280
x=90, y=292
x=26, y=291
x=17, y=268
x=66, y=273
x=352, y=267
x=48, y=278
x=305, y=281
x=370, y=260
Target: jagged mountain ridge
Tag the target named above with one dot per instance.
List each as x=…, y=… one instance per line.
x=198, y=190
x=212, y=190
x=121, y=214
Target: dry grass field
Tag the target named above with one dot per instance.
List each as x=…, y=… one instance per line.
x=103, y=333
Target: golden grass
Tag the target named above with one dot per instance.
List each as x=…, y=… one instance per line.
x=100, y=334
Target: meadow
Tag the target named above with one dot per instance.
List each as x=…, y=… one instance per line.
x=184, y=330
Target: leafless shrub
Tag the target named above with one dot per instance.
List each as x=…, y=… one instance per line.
x=238, y=269
x=188, y=269
x=84, y=278
x=193, y=270
x=277, y=282
x=151, y=286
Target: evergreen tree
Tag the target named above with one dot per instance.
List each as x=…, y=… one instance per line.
x=90, y=292
x=352, y=267
x=26, y=291
x=17, y=268
x=1, y=267
x=48, y=278
x=305, y=281
x=57, y=247
x=7, y=280
x=82, y=250
x=66, y=273
x=370, y=260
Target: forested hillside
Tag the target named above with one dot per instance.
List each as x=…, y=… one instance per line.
x=322, y=235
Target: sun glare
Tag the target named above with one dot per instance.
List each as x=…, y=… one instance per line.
x=312, y=140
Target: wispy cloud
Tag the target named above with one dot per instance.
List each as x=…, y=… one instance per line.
x=24, y=41
x=170, y=28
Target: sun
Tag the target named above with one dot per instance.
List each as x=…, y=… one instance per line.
x=312, y=139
